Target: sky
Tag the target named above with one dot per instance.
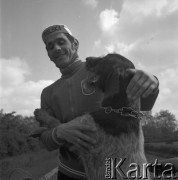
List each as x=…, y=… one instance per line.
x=145, y=31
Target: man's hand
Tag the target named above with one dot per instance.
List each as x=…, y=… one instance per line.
x=77, y=132
x=142, y=84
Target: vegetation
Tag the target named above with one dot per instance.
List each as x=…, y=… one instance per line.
x=161, y=133
x=15, y=130
x=18, y=150
x=36, y=163
x=14, y=134
x=162, y=126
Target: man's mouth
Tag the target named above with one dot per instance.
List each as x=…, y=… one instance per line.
x=59, y=55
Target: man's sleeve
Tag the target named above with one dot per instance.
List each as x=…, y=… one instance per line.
x=48, y=137
x=148, y=102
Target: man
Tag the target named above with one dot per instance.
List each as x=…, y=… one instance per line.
x=71, y=96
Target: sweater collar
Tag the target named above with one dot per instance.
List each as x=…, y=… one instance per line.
x=71, y=69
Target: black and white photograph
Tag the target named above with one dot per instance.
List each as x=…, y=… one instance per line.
x=88, y=89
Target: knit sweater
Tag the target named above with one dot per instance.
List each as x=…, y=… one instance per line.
x=66, y=99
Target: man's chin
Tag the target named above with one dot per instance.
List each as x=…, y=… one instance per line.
x=61, y=65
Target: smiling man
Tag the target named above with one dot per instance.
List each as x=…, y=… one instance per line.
x=62, y=49
x=71, y=96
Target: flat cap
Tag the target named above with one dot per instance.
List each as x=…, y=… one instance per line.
x=55, y=28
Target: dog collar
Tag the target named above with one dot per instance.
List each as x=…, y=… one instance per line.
x=124, y=111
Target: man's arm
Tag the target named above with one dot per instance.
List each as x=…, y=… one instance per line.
x=148, y=102
x=48, y=137
x=144, y=85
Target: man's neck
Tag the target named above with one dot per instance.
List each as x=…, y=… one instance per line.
x=71, y=68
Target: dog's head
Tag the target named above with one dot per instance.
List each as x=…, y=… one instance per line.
x=111, y=75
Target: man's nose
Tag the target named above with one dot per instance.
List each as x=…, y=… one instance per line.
x=57, y=47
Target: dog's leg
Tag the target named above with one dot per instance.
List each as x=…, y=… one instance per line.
x=45, y=119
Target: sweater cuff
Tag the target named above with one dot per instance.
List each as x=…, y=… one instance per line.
x=55, y=139
x=157, y=88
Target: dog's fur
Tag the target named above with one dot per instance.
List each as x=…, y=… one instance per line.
x=117, y=136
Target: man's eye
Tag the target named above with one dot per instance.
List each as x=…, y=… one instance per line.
x=49, y=46
x=61, y=42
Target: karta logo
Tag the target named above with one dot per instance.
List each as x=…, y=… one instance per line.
x=114, y=168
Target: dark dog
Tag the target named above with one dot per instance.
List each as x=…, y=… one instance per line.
x=119, y=133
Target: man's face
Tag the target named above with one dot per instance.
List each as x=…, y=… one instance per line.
x=60, y=49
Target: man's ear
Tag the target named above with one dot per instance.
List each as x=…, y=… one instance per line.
x=76, y=44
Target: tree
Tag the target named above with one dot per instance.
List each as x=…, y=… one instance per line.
x=167, y=123
x=14, y=134
x=150, y=129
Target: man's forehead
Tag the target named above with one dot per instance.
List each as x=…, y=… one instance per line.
x=55, y=36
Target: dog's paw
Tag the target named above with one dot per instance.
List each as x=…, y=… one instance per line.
x=44, y=118
x=41, y=115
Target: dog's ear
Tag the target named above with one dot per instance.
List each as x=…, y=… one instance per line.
x=91, y=63
x=125, y=75
x=117, y=88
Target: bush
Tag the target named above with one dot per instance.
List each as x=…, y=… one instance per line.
x=14, y=132
x=33, y=144
x=7, y=165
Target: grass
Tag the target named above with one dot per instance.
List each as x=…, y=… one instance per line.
x=164, y=149
x=41, y=162
x=172, y=144
x=151, y=158
x=36, y=163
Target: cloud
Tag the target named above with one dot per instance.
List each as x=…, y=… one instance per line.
x=168, y=96
x=110, y=48
x=108, y=21
x=91, y=3
x=124, y=48
x=97, y=43
x=14, y=66
x=16, y=93
x=119, y=47
x=146, y=33
x=146, y=8
x=173, y=6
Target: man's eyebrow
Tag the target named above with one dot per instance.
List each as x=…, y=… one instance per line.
x=58, y=39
